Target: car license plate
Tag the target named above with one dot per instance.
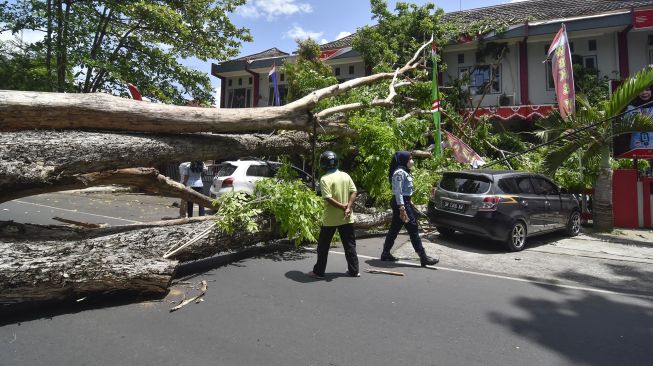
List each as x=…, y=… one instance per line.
x=453, y=206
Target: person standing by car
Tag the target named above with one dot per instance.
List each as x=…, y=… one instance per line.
x=403, y=212
x=339, y=192
x=192, y=178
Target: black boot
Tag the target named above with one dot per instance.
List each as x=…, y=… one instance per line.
x=387, y=257
x=425, y=260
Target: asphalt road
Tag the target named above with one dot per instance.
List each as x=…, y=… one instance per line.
x=112, y=209
x=265, y=311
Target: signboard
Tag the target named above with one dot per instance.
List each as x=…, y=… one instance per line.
x=641, y=146
x=643, y=18
x=641, y=140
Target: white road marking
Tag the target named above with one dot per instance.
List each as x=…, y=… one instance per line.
x=79, y=212
x=581, y=288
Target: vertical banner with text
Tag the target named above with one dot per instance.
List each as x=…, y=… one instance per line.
x=563, y=73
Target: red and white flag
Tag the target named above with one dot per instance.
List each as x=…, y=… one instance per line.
x=563, y=73
x=462, y=152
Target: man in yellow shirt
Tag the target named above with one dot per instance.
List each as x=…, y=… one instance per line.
x=339, y=192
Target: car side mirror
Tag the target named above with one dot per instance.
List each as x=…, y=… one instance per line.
x=564, y=190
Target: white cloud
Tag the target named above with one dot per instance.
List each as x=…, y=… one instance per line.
x=248, y=11
x=272, y=9
x=297, y=32
x=342, y=35
x=324, y=40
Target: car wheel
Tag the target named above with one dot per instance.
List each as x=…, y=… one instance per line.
x=517, y=237
x=445, y=231
x=573, y=225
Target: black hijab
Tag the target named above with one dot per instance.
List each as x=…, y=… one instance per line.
x=399, y=160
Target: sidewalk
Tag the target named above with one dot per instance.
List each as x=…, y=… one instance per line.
x=621, y=261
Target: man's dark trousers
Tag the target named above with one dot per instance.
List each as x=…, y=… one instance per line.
x=348, y=243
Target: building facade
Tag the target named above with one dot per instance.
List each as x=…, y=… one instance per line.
x=613, y=37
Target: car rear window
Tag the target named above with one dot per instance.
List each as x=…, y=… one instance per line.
x=465, y=183
x=226, y=170
x=260, y=171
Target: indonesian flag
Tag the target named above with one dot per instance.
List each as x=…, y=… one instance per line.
x=435, y=102
x=563, y=73
x=273, y=75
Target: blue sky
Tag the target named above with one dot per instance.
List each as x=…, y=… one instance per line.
x=277, y=23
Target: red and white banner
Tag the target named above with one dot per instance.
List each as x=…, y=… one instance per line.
x=517, y=112
x=462, y=152
x=328, y=54
x=563, y=73
x=643, y=18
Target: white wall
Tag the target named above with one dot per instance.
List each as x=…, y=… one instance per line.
x=606, y=60
x=509, y=71
x=638, y=50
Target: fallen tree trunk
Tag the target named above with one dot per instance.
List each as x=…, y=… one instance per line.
x=55, y=263
x=37, y=161
x=145, y=178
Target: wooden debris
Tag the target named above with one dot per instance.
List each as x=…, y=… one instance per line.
x=368, y=270
x=203, y=287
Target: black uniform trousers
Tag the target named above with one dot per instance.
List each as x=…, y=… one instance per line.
x=395, y=226
x=348, y=243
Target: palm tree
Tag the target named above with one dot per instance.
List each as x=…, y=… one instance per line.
x=590, y=131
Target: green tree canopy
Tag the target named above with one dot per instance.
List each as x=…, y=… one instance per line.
x=308, y=73
x=111, y=42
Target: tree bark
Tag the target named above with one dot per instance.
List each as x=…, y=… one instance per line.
x=36, y=161
x=55, y=263
x=146, y=178
x=602, y=203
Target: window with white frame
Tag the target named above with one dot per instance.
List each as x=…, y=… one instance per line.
x=480, y=76
x=590, y=62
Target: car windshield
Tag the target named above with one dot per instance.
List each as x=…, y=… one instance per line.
x=461, y=183
x=226, y=169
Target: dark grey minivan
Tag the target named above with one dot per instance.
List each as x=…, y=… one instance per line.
x=503, y=205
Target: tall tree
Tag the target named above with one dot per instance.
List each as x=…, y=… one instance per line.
x=594, y=142
x=111, y=42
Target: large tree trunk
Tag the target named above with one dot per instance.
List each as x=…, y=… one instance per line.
x=54, y=263
x=602, y=203
x=38, y=110
x=33, y=162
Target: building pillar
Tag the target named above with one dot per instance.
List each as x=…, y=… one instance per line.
x=622, y=42
x=523, y=72
x=223, y=90
x=255, y=94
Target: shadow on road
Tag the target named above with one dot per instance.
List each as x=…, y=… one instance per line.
x=302, y=277
x=12, y=314
x=629, y=241
x=386, y=264
x=588, y=329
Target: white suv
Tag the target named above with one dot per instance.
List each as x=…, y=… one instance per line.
x=241, y=175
